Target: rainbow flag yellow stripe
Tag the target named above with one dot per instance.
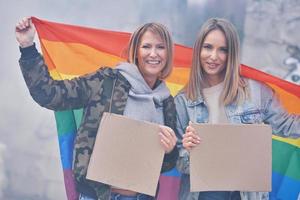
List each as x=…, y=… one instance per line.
x=71, y=51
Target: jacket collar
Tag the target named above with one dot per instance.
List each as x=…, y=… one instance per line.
x=192, y=103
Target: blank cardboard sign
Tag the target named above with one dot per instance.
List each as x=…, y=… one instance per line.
x=232, y=158
x=127, y=154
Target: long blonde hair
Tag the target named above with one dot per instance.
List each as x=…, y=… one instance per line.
x=234, y=85
x=164, y=34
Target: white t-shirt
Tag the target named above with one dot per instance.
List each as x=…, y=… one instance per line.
x=216, y=110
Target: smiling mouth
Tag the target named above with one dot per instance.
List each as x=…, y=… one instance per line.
x=153, y=62
x=212, y=65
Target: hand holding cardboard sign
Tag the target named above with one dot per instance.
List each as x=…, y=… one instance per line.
x=168, y=138
x=190, y=138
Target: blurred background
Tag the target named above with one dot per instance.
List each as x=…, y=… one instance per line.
x=30, y=166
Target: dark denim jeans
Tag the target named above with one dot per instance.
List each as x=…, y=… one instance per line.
x=115, y=196
x=219, y=195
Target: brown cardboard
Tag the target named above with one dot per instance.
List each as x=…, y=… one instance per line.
x=127, y=154
x=232, y=158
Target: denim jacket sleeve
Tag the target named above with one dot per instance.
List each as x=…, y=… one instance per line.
x=183, y=162
x=56, y=94
x=283, y=124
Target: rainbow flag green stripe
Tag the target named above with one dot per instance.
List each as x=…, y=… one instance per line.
x=85, y=49
x=65, y=122
x=286, y=159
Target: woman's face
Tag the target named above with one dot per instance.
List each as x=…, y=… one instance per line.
x=152, y=56
x=213, y=57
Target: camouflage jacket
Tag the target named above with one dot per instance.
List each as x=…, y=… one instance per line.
x=106, y=90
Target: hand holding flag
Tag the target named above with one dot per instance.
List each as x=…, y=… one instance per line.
x=25, y=32
x=83, y=50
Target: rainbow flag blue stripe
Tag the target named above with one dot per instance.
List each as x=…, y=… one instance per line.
x=83, y=50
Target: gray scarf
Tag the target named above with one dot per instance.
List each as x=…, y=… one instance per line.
x=143, y=103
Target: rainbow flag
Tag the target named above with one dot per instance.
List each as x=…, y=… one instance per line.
x=71, y=51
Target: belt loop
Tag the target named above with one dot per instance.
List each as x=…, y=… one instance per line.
x=116, y=196
x=139, y=197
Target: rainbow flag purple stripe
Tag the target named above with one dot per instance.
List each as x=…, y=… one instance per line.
x=92, y=48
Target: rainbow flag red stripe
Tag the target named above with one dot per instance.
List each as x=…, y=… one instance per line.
x=71, y=51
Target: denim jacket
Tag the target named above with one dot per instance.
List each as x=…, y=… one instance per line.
x=262, y=106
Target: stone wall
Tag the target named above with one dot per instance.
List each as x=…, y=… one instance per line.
x=271, y=37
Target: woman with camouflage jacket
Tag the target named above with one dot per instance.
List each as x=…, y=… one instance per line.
x=123, y=90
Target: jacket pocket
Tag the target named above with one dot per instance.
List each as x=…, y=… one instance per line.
x=251, y=117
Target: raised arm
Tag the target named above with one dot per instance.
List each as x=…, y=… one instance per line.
x=49, y=93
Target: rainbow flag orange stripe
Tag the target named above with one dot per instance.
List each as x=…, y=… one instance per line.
x=71, y=51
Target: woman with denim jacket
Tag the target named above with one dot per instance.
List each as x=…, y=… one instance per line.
x=217, y=93
x=135, y=89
